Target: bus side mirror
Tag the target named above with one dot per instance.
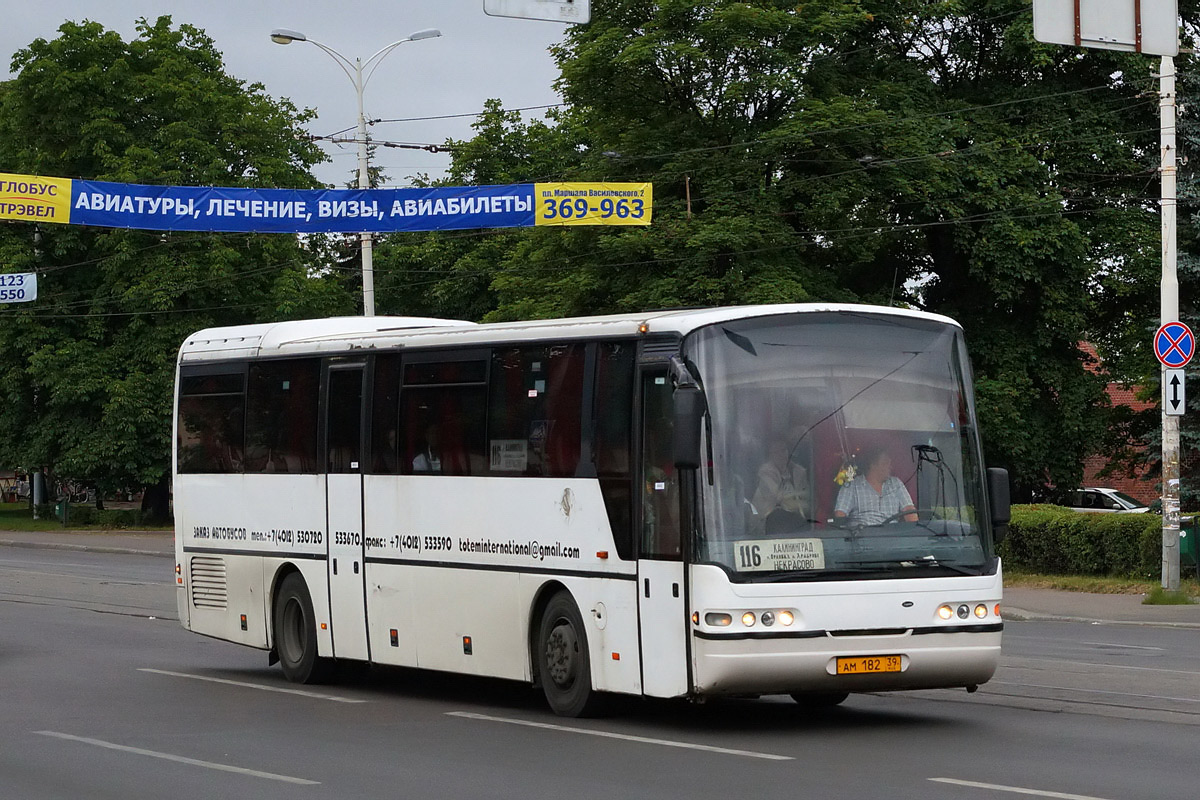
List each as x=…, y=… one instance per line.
x=998, y=499
x=685, y=437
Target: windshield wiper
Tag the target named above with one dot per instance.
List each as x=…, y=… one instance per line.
x=812, y=574
x=924, y=561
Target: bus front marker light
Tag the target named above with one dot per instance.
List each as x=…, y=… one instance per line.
x=997, y=610
x=945, y=612
x=964, y=611
x=768, y=618
x=718, y=619
x=786, y=618
x=695, y=617
x=981, y=611
x=748, y=619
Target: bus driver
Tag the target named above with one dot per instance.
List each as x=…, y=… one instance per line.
x=875, y=495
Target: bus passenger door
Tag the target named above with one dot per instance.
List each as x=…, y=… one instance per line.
x=344, y=508
x=662, y=614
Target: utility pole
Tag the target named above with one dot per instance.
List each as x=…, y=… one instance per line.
x=1169, y=312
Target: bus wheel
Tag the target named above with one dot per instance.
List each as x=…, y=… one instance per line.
x=296, y=634
x=815, y=702
x=563, y=652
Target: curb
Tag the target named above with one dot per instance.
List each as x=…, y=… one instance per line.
x=1022, y=615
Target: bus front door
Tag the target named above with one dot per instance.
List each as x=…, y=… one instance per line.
x=662, y=614
x=344, y=509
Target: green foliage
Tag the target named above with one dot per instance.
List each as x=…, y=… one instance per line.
x=86, y=370
x=1056, y=540
x=883, y=151
x=85, y=516
x=1159, y=596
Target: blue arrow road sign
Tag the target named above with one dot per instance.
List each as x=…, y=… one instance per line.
x=1174, y=344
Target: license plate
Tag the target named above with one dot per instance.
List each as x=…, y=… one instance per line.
x=868, y=665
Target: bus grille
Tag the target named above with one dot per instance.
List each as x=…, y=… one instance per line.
x=208, y=582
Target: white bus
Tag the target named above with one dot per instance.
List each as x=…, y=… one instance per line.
x=670, y=504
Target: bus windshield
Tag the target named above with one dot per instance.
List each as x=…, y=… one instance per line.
x=842, y=446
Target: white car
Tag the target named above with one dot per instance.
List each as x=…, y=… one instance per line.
x=1105, y=501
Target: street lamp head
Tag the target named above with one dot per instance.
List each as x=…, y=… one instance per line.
x=284, y=36
x=428, y=33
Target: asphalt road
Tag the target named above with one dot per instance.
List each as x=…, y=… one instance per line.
x=103, y=695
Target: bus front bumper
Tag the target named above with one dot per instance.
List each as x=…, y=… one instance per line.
x=728, y=665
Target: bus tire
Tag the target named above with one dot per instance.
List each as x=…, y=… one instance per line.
x=296, y=634
x=816, y=702
x=564, y=665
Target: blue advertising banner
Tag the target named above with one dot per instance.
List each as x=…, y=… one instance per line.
x=187, y=208
x=119, y=205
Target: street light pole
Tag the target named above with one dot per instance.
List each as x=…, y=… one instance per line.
x=367, y=243
x=354, y=71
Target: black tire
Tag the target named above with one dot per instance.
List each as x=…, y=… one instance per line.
x=816, y=702
x=296, y=634
x=563, y=660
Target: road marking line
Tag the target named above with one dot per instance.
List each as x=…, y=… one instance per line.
x=244, y=685
x=179, y=759
x=1016, y=789
x=627, y=737
x=1013, y=665
x=1126, y=646
x=1098, y=691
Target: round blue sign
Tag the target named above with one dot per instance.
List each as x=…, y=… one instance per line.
x=1174, y=345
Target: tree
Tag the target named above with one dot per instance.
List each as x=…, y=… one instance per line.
x=887, y=151
x=86, y=371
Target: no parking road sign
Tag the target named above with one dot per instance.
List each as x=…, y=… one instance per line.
x=1174, y=345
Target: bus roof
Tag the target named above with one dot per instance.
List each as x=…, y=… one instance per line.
x=339, y=334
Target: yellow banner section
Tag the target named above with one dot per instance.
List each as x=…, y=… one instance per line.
x=593, y=203
x=33, y=199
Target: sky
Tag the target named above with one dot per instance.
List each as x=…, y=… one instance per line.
x=477, y=57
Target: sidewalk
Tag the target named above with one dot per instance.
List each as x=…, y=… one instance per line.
x=1119, y=609
x=142, y=543
x=1018, y=604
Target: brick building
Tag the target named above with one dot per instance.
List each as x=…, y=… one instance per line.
x=1141, y=485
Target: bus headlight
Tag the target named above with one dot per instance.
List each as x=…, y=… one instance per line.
x=786, y=618
x=945, y=612
x=981, y=611
x=748, y=619
x=768, y=618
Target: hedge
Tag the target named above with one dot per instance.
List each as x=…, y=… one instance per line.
x=1059, y=541
x=89, y=516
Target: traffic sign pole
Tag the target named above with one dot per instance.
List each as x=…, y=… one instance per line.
x=1169, y=302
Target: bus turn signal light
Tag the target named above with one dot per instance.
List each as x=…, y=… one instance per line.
x=718, y=619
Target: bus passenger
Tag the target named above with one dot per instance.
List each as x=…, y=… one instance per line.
x=429, y=458
x=875, y=495
x=781, y=496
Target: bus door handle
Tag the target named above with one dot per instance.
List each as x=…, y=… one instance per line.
x=335, y=566
x=674, y=590
x=647, y=587
x=355, y=567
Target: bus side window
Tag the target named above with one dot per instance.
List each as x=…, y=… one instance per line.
x=534, y=410
x=613, y=438
x=281, y=416
x=212, y=414
x=385, y=420
x=444, y=411
x=660, y=484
